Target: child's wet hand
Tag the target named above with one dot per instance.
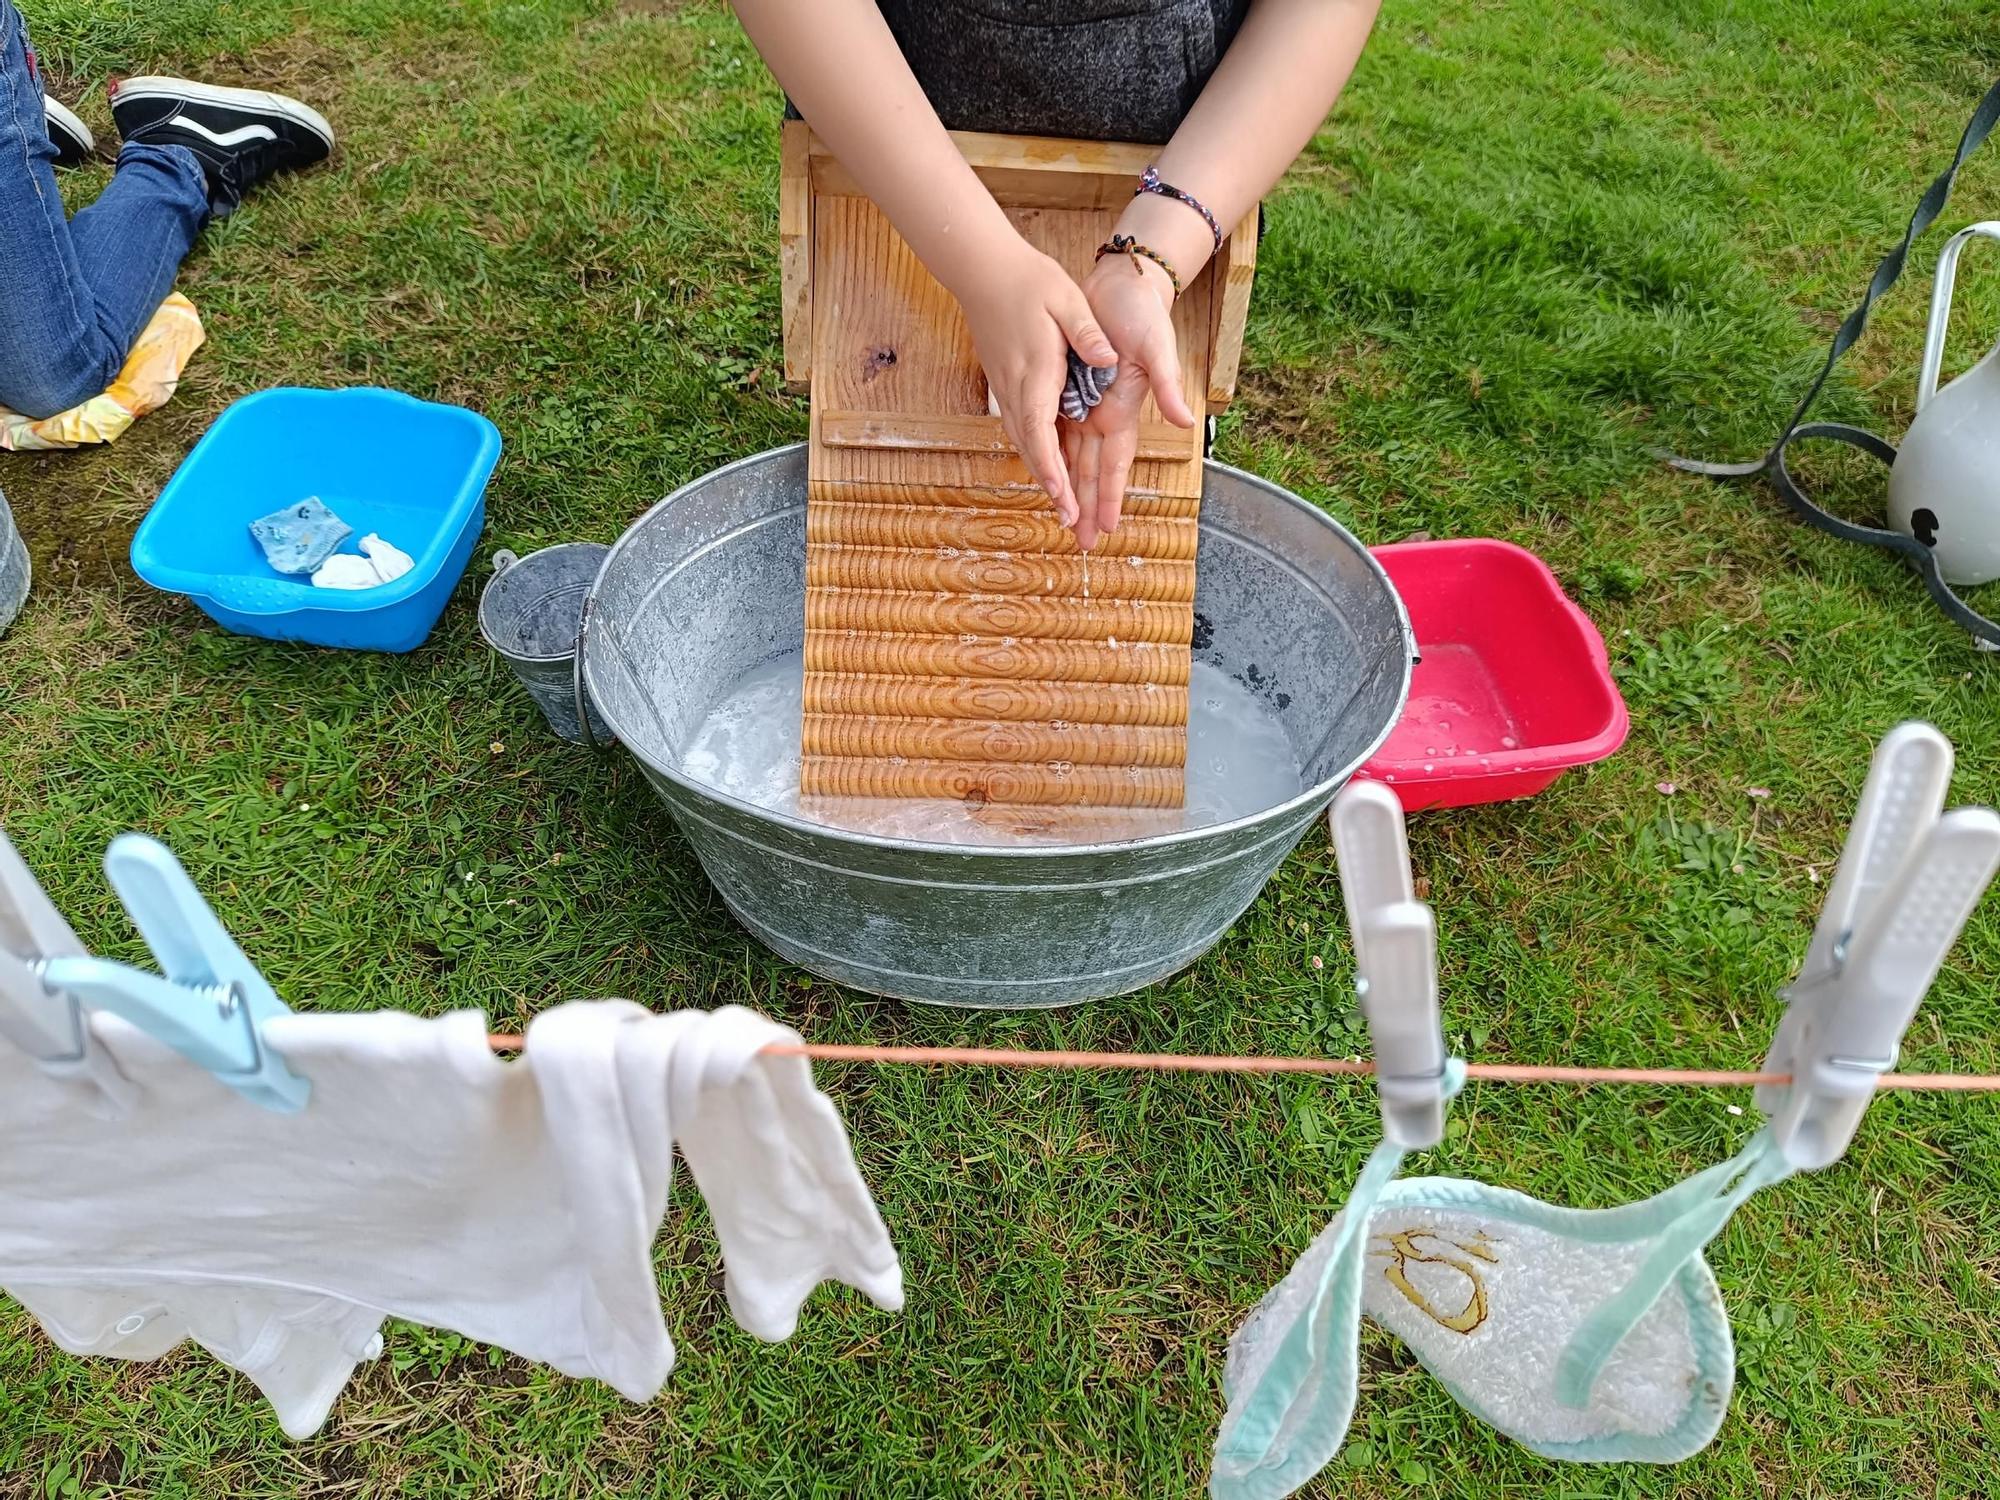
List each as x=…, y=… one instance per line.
x=1024, y=314
x=1133, y=302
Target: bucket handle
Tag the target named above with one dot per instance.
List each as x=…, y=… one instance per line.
x=576, y=676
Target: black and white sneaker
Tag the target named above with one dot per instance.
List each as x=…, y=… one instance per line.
x=70, y=136
x=241, y=135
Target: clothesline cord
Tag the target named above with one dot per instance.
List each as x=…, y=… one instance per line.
x=1174, y=1062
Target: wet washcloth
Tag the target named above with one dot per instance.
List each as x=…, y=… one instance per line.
x=300, y=537
x=380, y=562
x=1085, y=387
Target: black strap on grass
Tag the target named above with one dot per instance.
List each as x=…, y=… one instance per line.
x=1772, y=464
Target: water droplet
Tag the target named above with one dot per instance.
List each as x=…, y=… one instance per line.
x=1508, y=742
x=1444, y=724
x=1430, y=749
x=1428, y=768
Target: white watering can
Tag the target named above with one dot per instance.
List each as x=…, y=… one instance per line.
x=1945, y=487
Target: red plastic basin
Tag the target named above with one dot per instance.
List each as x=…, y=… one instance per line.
x=1513, y=687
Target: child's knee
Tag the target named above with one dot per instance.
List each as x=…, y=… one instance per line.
x=40, y=388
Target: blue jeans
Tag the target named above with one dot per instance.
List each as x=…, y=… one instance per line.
x=75, y=293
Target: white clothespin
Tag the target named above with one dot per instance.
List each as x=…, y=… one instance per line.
x=1907, y=881
x=212, y=1000
x=1395, y=961
x=42, y=1021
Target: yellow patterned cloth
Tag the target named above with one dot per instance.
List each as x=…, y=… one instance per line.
x=151, y=372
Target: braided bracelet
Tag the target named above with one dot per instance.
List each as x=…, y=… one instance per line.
x=1149, y=182
x=1124, y=244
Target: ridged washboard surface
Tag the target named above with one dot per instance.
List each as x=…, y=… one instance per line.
x=958, y=644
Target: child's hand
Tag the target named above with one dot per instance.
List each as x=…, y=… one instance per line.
x=1133, y=300
x=1024, y=312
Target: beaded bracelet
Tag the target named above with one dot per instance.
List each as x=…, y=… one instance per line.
x=1124, y=244
x=1149, y=182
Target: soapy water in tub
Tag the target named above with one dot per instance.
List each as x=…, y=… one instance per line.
x=1240, y=761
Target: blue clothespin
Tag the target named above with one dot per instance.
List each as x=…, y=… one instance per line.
x=1395, y=961
x=212, y=999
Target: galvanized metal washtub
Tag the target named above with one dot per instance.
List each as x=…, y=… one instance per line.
x=710, y=583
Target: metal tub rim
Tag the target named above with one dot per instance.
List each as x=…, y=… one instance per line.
x=1277, y=812
x=483, y=618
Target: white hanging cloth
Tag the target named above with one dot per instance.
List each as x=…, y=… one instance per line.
x=515, y=1203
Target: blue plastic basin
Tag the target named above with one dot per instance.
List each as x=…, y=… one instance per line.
x=413, y=472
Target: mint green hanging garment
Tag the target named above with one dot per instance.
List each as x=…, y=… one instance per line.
x=1593, y=1335
x=1292, y=1371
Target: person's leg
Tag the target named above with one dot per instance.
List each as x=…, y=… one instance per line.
x=131, y=241
x=74, y=297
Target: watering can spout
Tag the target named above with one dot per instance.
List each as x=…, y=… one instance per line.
x=1945, y=487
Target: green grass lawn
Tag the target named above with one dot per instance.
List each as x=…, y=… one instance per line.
x=1535, y=240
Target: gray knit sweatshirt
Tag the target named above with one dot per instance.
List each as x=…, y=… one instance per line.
x=1107, y=70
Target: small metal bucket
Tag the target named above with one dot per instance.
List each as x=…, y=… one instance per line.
x=531, y=612
x=14, y=569
x=711, y=582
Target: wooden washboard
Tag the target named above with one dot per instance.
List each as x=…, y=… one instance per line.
x=958, y=644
